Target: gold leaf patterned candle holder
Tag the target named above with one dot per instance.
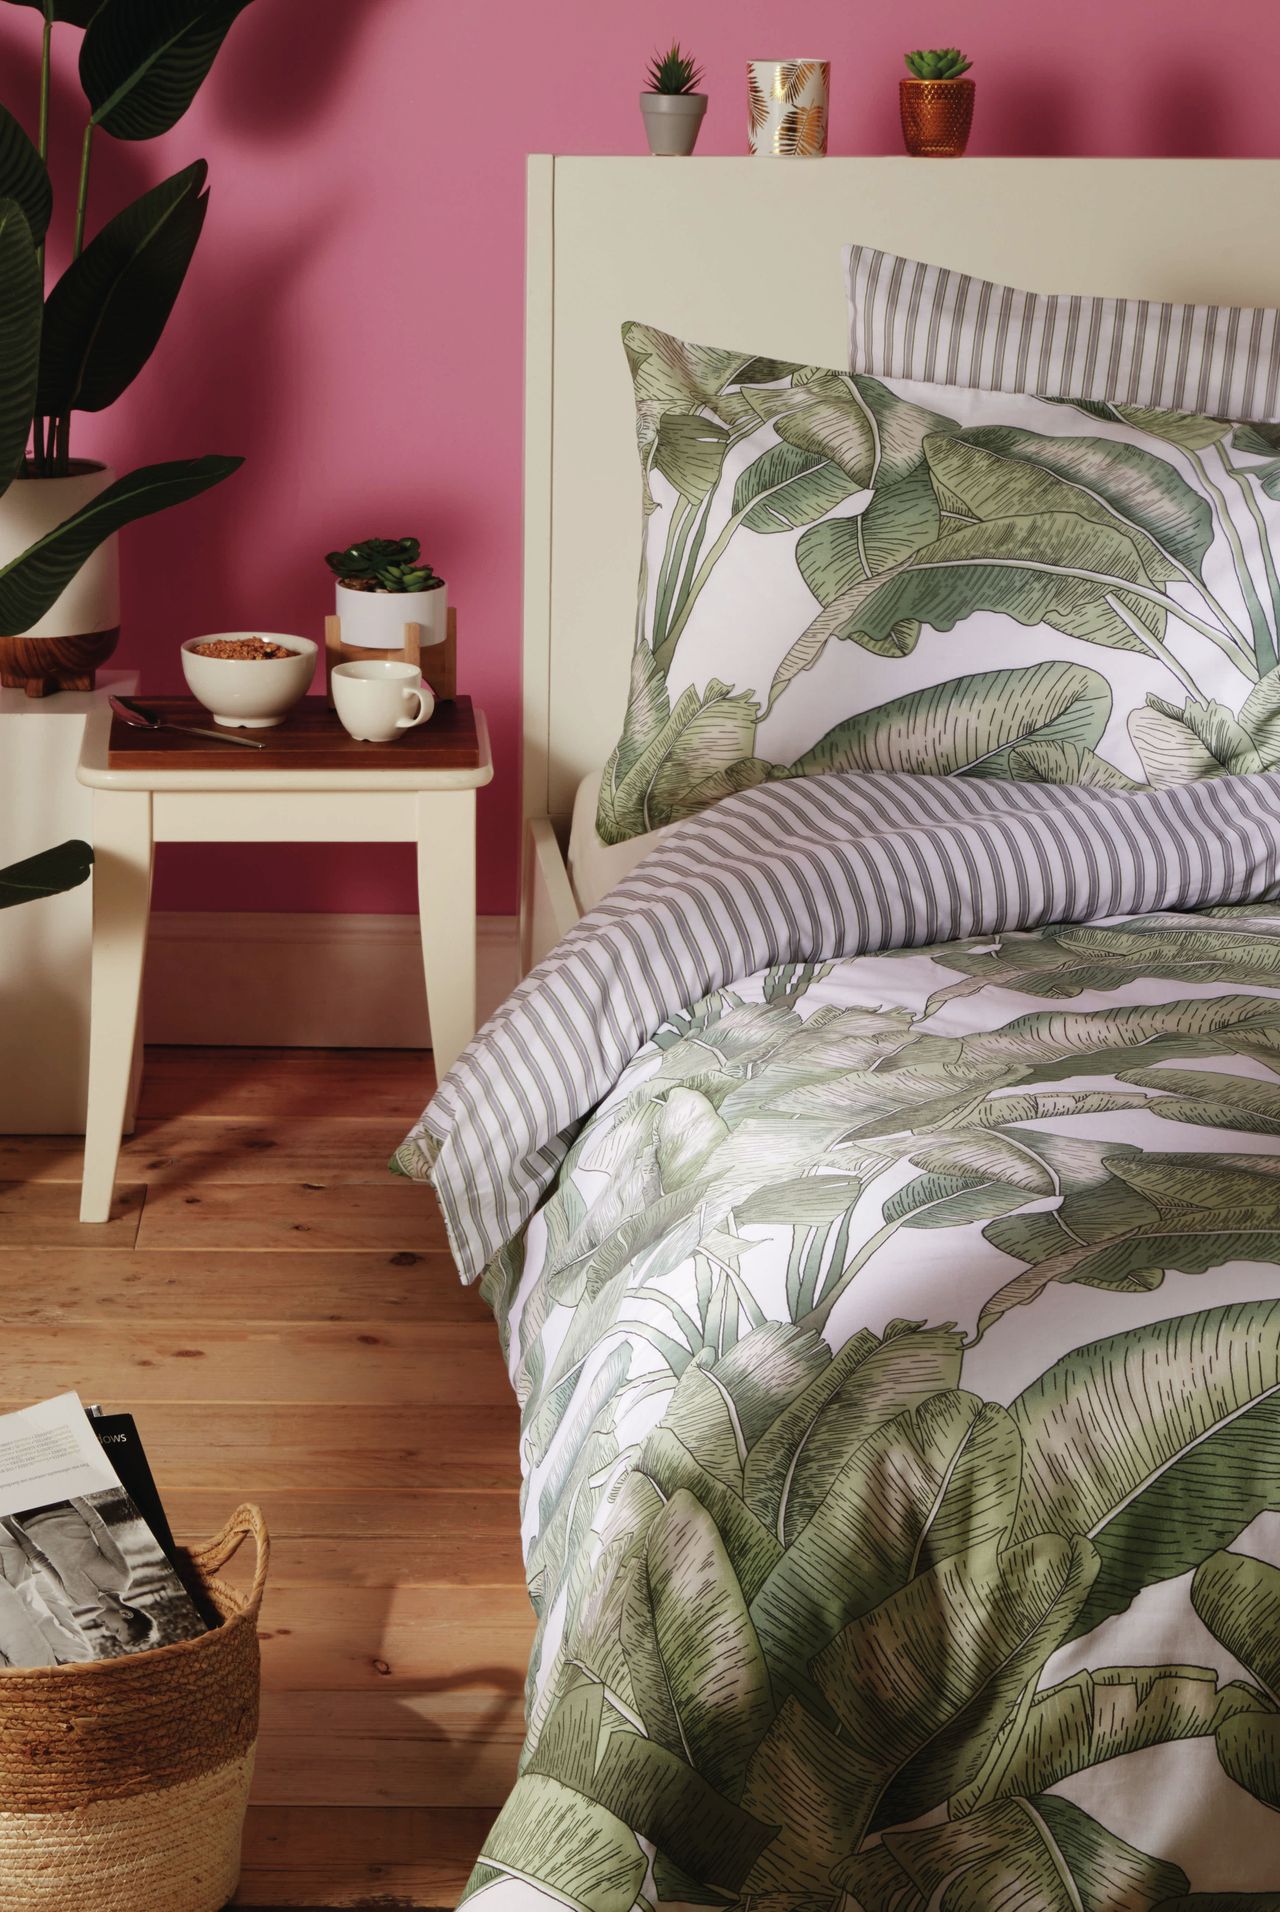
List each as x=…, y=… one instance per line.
x=787, y=107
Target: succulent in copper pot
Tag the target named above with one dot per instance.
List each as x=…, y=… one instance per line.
x=936, y=103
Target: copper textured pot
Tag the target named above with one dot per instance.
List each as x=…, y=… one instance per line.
x=936, y=117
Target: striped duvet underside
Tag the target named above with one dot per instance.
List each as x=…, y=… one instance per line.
x=914, y=321
x=823, y=867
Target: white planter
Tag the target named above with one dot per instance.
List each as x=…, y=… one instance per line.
x=80, y=629
x=33, y=506
x=375, y=620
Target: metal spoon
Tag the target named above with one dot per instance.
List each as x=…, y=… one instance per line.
x=140, y=718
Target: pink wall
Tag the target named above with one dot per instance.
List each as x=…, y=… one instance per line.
x=352, y=322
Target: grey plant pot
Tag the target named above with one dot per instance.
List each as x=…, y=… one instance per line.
x=672, y=120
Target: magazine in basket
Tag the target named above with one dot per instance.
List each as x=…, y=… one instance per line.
x=82, y=1576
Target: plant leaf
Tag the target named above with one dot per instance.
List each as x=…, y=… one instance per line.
x=1093, y=1717
x=76, y=13
x=104, y=317
x=24, y=177
x=1211, y=1099
x=1055, y=568
x=689, y=452
x=680, y=1809
x=922, y=1683
x=794, y=1463
x=671, y=373
x=1203, y=740
x=1045, y=760
x=575, y=1848
x=872, y=434
x=969, y=725
x=714, y=1669
x=786, y=487
x=716, y=725
x=1260, y=715
x=1102, y=479
x=1205, y=1391
x=20, y=316
x=1238, y=1599
x=30, y=582
x=1223, y=1902
x=1069, y=959
x=1117, y=1236
x=933, y=1482
x=142, y=62
x=1249, y=1749
x=1032, y=1855
x=672, y=1469
x=48, y=873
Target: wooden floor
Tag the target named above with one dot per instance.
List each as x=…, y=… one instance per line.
x=281, y=1316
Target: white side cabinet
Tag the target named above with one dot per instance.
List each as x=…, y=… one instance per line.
x=45, y=947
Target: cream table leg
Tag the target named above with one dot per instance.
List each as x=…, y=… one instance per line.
x=121, y=902
x=447, y=915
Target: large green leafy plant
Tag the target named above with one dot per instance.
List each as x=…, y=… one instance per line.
x=141, y=65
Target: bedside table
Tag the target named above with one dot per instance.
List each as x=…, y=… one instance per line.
x=312, y=784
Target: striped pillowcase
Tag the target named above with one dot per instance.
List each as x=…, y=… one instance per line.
x=913, y=321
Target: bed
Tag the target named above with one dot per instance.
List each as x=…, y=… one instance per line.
x=877, y=1196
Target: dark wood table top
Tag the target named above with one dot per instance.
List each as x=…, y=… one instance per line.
x=309, y=738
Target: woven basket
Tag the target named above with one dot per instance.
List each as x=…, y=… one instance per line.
x=123, y=1783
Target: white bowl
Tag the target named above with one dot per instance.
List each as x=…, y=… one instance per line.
x=249, y=693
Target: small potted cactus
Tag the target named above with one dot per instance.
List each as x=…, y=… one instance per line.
x=936, y=103
x=384, y=584
x=672, y=106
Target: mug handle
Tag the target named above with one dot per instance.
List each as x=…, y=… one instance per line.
x=426, y=705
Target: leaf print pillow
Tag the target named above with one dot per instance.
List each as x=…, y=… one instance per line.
x=844, y=573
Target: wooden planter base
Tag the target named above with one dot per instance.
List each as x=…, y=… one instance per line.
x=42, y=665
x=437, y=662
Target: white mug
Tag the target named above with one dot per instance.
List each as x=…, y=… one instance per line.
x=376, y=700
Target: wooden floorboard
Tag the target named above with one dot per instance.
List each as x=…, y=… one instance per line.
x=211, y=1284
x=282, y=1316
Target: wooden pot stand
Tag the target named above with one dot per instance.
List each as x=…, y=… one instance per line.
x=438, y=663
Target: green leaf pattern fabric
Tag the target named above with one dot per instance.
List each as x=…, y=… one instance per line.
x=839, y=573
x=899, y=1360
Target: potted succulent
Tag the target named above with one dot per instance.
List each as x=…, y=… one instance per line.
x=384, y=584
x=141, y=64
x=672, y=106
x=936, y=103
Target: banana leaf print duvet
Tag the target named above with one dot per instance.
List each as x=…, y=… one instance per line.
x=898, y=1344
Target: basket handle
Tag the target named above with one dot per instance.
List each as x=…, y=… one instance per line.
x=246, y=1523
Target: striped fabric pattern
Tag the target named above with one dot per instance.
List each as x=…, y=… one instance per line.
x=914, y=321
x=821, y=867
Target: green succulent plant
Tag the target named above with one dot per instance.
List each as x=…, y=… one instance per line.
x=383, y=564
x=674, y=72
x=938, y=63
x=141, y=64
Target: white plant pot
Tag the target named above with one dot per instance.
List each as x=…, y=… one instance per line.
x=375, y=620
x=80, y=629
x=33, y=506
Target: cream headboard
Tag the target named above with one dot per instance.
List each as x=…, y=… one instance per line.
x=746, y=252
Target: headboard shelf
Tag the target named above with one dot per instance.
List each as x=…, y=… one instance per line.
x=747, y=252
